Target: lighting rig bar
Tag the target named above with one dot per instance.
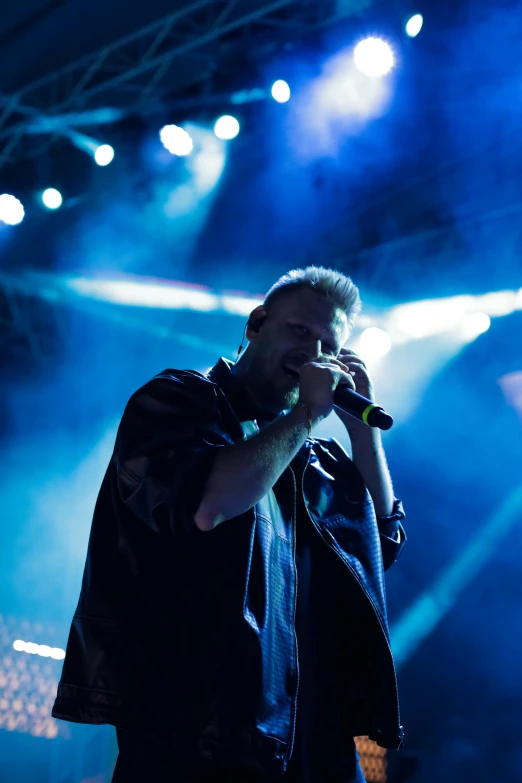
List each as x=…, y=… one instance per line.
x=129, y=71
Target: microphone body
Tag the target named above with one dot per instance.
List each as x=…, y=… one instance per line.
x=361, y=408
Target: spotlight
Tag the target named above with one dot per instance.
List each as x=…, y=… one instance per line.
x=374, y=343
x=414, y=25
x=104, y=154
x=226, y=127
x=11, y=210
x=52, y=198
x=281, y=91
x=176, y=140
x=373, y=57
x=497, y=303
x=475, y=324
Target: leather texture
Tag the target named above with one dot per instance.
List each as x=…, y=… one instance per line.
x=189, y=636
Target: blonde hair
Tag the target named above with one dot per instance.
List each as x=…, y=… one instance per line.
x=339, y=288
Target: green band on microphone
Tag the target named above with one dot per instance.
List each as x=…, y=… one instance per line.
x=366, y=412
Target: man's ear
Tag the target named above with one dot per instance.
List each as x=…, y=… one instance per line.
x=255, y=321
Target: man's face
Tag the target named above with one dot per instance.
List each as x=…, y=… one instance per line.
x=302, y=326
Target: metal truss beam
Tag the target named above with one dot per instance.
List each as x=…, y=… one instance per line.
x=135, y=64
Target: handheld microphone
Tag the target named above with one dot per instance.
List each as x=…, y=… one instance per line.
x=365, y=410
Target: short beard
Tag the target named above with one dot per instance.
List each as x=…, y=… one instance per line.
x=276, y=404
x=264, y=395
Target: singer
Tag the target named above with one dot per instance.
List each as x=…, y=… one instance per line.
x=232, y=618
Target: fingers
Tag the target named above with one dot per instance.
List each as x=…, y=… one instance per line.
x=333, y=364
x=342, y=365
x=343, y=373
x=356, y=367
x=347, y=380
x=358, y=370
x=348, y=356
x=332, y=360
x=353, y=362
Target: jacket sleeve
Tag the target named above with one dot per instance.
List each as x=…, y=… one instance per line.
x=391, y=531
x=167, y=441
x=392, y=534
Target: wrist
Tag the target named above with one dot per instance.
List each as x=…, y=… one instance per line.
x=305, y=416
x=317, y=413
x=354, y=426
x=359, y=432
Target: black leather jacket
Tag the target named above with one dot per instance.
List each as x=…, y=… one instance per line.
x=189, y=636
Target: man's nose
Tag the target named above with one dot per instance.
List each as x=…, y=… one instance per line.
x=314, y=351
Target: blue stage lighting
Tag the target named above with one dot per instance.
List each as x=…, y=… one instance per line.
x=176, y=140
x=414, y=25
x=226, y=127
x=104, y=154
x=52, y=198
x=375, y=343
x=281, y=91
x=11, y=210
x=373, y=57
x=475, y=324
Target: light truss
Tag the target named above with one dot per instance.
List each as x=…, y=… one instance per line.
x=132, y=69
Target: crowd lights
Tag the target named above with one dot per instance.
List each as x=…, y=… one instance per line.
x=44, y=650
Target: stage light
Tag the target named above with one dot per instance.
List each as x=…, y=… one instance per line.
x=336, y=104
x=497, y=303
x=431, y=316
x=226, y=127
x=375, y=343
x=138, y=294
x=373, y=57
x=104, y=154
x=475, y=324
x=52, y=198
x=281, y=91
x=176, y=140
x=414, y=25
x=238, y=305
x=11, y=210
x=424, y=614
x=164, y=294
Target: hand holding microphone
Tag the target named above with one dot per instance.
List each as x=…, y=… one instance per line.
x=318, y=381
x=343, y=383
x=359, y=402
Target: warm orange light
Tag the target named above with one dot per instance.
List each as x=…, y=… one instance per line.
x=373, y=760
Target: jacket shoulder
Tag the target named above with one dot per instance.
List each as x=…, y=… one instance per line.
x=186, y=376
x=184, y=383
x=191, y=379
